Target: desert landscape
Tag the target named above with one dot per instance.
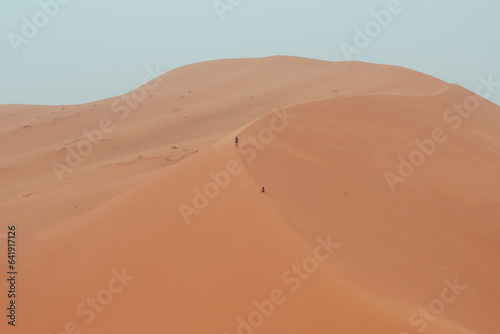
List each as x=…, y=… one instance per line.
x=140, y=214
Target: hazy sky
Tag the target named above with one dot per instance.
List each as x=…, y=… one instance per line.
x=87, y=50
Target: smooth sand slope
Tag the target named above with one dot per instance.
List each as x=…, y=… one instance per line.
x=162, y=228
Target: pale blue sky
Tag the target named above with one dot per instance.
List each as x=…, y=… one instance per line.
x=93, y=49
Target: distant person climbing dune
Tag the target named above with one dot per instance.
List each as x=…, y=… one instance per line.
x=236, y=141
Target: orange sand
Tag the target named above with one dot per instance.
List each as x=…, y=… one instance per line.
x=119, y=209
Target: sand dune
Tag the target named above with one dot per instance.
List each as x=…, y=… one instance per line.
x=164, y=227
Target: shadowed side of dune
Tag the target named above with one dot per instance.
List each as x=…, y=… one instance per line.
x=327, y=172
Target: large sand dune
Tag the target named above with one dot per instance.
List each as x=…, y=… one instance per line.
x=162, y=227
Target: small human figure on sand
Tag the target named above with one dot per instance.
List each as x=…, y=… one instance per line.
x=236, y=141
x=263, y=190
